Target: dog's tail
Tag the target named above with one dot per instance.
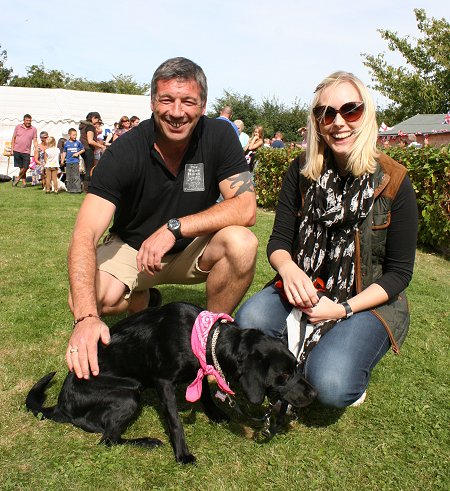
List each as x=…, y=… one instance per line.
x=36, y=398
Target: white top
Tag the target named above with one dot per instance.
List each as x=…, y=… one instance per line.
x=52, y=158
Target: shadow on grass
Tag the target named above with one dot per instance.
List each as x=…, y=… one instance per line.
x=250, y=426
x=183, y=293
x=188, y=412
x=170, y=293
x=318, y=416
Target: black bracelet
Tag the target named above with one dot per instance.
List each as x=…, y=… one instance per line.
x=348, y=310
x=77, y=321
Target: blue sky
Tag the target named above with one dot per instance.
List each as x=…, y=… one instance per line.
x=260, y=48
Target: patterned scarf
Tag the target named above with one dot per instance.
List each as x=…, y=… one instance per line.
x=333, y=209
x=199, y=337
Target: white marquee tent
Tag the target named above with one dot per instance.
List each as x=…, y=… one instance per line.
x=57, y=110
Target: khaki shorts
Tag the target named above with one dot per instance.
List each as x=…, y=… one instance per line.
x=119, y=260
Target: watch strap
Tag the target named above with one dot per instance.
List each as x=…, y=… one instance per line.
x=176, y=231
x=348, y=309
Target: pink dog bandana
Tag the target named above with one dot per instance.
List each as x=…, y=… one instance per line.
x=202, y=325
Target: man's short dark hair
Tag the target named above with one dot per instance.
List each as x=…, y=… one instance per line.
x=71, y=129
x=180, y=68
x=27, y=116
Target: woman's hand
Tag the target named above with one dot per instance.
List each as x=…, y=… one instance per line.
x=298, y=288
x=325, y=310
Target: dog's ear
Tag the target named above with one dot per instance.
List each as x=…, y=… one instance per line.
x=253, y=380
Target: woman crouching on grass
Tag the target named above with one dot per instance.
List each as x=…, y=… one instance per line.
x=343, y=245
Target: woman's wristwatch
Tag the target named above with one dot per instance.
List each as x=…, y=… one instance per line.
x=348, y=310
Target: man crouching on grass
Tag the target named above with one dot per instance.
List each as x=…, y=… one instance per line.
x=161, y=181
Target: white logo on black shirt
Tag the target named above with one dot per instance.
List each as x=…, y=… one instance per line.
x=194, y=178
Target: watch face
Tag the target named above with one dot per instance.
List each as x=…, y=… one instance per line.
x=173, y=224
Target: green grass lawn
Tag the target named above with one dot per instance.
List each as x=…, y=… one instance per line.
x=397, y=440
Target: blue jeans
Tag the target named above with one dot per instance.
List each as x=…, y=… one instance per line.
x=339, y=366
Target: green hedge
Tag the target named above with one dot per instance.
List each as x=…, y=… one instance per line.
x=429, y=171
x=428, y=168
x=271, y=166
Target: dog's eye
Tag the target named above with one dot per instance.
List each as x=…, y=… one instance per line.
x=282, y=379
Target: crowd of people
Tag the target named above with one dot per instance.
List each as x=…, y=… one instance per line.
x=342, y=245
x=79, y=153
x=68, y=163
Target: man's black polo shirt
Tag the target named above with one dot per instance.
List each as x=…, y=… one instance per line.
x=132, y=176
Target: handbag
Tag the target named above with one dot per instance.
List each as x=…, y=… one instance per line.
x=7, y=150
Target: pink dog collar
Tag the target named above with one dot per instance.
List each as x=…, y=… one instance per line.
x=205, y=320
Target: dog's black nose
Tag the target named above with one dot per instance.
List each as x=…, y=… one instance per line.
x=310, y=393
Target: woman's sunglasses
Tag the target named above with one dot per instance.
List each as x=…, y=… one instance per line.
x=351, y=112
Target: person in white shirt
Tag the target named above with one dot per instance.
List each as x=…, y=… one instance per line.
x=51, y=165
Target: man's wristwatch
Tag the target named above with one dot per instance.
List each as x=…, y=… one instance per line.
x=348, y=310
x=174, y=226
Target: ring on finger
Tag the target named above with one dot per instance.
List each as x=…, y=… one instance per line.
x=74, y=350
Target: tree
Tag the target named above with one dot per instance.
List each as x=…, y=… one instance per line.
x=243, y=106
x=422, y=84
x=276, y=116
x=120, y=84
x=125, y=84
x=38, y=76
x=270, y=114
x=5, y=73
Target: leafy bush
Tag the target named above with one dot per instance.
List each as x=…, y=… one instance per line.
x=428, y=169
x=271, y=166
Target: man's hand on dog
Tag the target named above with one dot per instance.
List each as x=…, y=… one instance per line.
x=81, y=354
x=153, y=250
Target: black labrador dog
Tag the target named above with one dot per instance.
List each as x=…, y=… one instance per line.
x=153, y=349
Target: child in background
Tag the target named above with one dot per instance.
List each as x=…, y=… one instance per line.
x=62, y=167
x=40, y=165
x=32, y=168
x=71, y=156
x=51, y=165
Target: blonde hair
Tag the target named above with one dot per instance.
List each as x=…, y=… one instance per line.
x=260, y=130
x=51, y=142
x=361, y=158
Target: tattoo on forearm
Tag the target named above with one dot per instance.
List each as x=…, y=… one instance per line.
x=241, y=183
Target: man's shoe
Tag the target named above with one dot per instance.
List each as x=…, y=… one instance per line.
x=155, y=299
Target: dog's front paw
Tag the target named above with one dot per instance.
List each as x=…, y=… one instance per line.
x=186, y=459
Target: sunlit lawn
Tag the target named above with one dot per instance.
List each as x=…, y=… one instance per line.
x=397, y=440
